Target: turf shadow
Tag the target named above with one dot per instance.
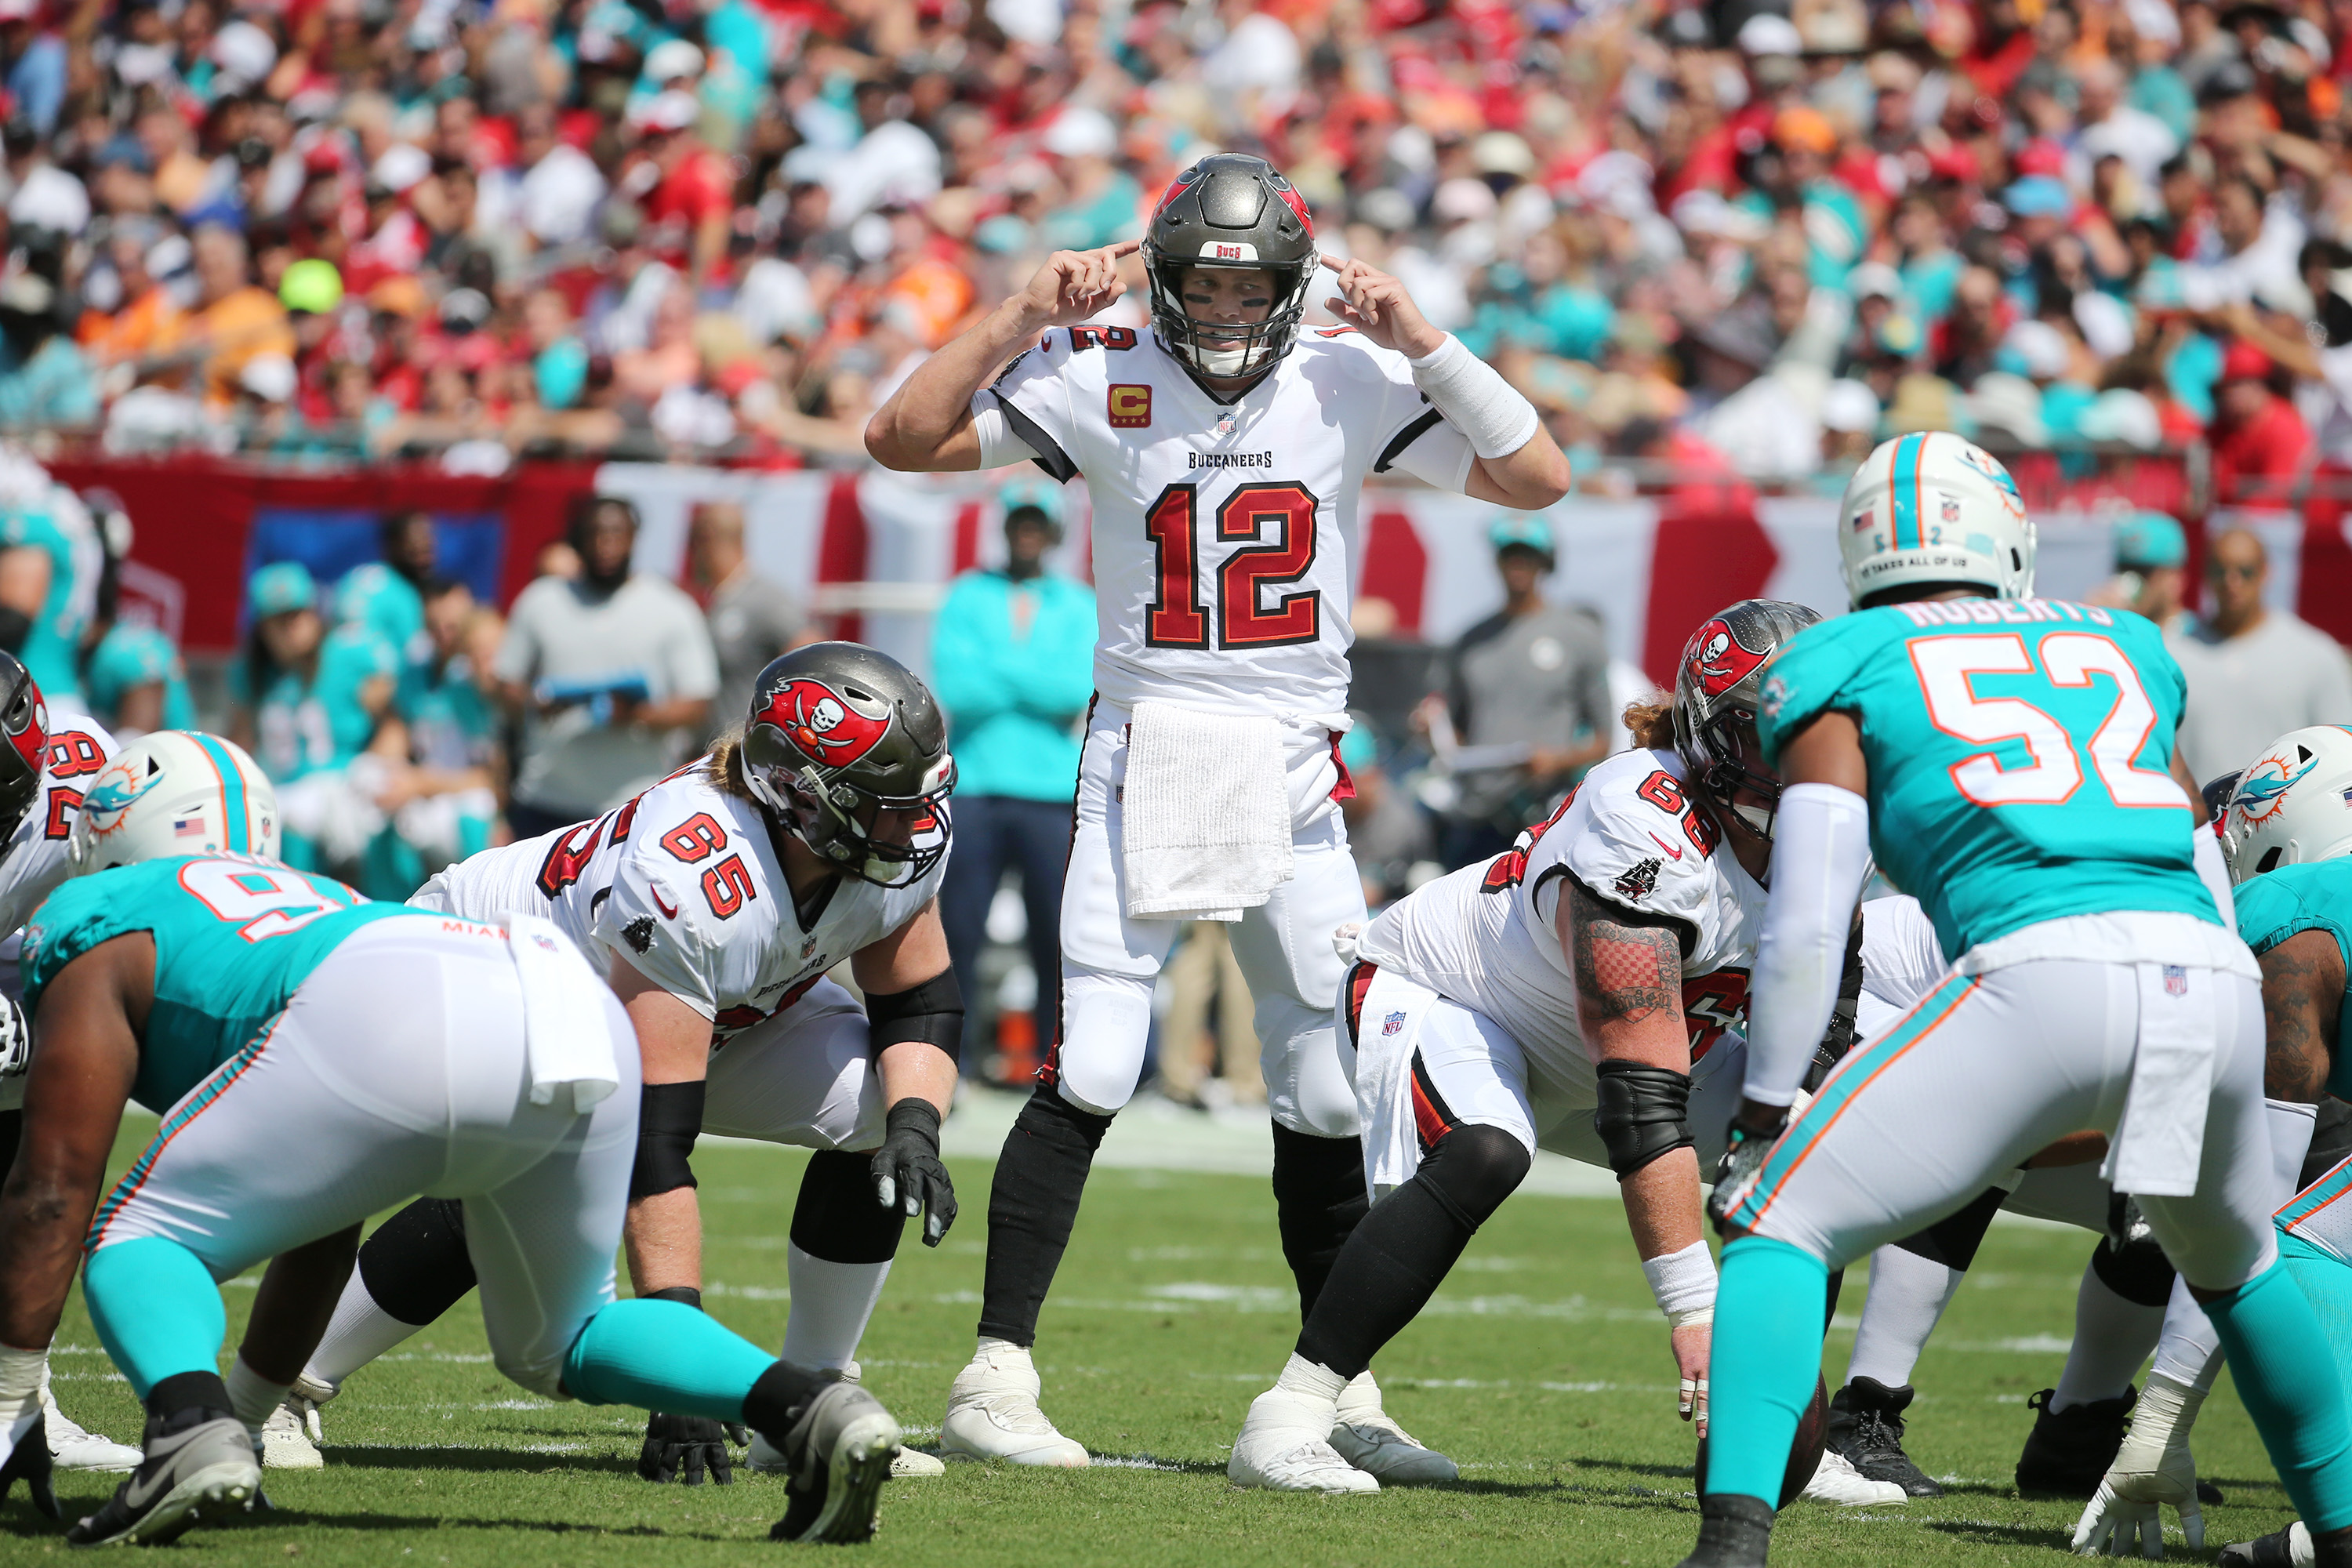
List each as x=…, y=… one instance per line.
x=348, y=1456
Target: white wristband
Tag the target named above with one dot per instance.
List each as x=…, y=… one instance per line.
x=1682, y=1282
x=1475, y=399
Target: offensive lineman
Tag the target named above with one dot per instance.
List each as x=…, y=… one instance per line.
x=2006, y=758
x=716, y=901
x=1225, y=453
x=413, y=1051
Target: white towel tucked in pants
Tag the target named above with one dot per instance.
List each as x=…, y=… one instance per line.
x=1207, y=813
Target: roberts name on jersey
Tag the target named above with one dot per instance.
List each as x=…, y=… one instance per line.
x=1488, y=935
x=684, y=883
x=1224, y=531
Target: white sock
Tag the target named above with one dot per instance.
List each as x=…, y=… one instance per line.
x=2190, y=1352
x=252, y=1396
x=358, y=1333
x=830, y=1302
x=1907, y=1295
x=1309, y=1380
x=2112, y=1337
x=993, y=1349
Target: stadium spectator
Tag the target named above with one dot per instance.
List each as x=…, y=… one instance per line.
x=234, y=320
x=1013, y=664
x=135, y=681
x=611, y=671
x=2260, y=446
x=1530, y=681
x=753, y=619
x=1388, y=834
x=435, y=762
x=387, y=595
x=2254, y=671
x=2151, y=571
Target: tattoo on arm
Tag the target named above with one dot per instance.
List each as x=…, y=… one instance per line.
x=2303, y=995
x=1626, y=968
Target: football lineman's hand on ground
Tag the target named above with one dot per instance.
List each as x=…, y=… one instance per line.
x=1076, y=286
x=906, y=1169
x=2126, y=1518
x=1690, y=1343
x=683, y=1448
x=25, y=1457
x=1377, y=305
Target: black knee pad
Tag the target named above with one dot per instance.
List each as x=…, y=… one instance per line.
x=2138, y=1271
x=1644, y=1113
x=669, y=1119
x=12, y=1129
x=416, y=1266
x=1473, y=1169
x=838, y=1218
x=1953, y=1240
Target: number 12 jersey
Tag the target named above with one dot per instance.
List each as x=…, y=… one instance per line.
x=1223, y=531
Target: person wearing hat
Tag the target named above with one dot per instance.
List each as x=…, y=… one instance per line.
x=305, y=701
x=1013, y=664
x=2151, y=576
x=753, y=618
x=1533, y=676
x=2261, y=448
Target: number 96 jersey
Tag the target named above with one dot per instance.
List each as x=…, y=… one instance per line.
x=1223, y=530
x=684, y=883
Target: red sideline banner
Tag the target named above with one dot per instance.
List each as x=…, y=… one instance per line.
x=873, y=551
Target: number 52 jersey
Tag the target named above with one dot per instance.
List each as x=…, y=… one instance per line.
x=1223, y=531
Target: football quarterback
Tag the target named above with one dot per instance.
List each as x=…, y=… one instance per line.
x=1224, y=452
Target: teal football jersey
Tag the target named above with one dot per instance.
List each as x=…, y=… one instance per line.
x=2289, y=901
x=234, y=937
x=51, y=645
x=2018, y=753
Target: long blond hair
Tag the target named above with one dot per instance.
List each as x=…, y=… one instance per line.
x=1651, y=721
x=725, y=768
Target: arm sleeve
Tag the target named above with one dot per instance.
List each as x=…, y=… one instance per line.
x=650, y=920
x=1820, y=857
x=1033, y=396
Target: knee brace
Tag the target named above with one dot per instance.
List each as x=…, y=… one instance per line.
x=1473, y=1169
x=2138, y=1271
x=1953, y=1240
x=1106, y=1020
x=669, y=1119
x=838, y=1217
x=1643, y=1114
x=415, y=1266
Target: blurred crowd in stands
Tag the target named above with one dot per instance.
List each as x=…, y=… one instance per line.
x=1751, y=234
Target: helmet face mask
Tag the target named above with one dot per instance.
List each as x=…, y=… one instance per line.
x=1230, y=213
x=847, y=750
x=1717, y=685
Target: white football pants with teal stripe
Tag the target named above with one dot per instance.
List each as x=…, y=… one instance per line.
x=1988, y=1070
x=398, y=1069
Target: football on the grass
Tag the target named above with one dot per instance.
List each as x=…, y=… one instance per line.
x=1804, y=1454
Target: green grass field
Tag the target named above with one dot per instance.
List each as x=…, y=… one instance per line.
x=1541, y=1367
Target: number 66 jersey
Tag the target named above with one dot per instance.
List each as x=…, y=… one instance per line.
x=683, y=881
x=1222, y=531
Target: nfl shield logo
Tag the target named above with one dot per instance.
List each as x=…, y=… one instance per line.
x=1392, y=1024
x=2175, y=980
x=1952, y=508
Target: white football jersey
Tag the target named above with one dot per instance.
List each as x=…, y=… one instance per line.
x=683, y=881
x=1901, y=961
x=1224, y=531
x=33, y=863
x=1485, y=935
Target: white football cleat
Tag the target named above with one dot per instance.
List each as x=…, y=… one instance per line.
x=1367, y=1438
x=1837, y=1481
x=909, y=1464
x=285, y=1437
x=1284, y=1446
x=992, y=1413
x=73, y=1447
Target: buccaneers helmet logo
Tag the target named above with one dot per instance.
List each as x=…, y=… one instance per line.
x=1718, y=660
x=819, y=725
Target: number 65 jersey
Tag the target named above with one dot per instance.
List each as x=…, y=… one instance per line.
x=1487, y=936
x=1223, y=531
x=683, y=882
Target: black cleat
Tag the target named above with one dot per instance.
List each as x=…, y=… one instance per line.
x=2068, y=1452
x=837, y=1453
x=2276, y=1549
x=1734, y=1531
x=1866, y=1426
x=200, y=1468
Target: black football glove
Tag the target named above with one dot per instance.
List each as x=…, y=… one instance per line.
x=28, y=1460
x=907, y=1172
x=1744, y=1154
x=683, y=1448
